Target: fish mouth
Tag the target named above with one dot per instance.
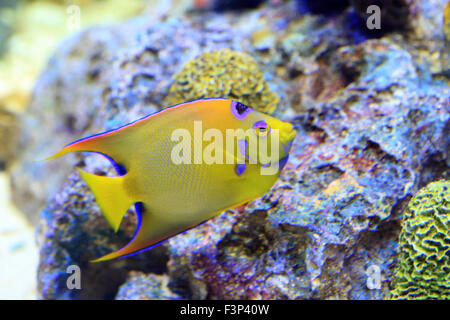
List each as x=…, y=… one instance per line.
x=290, y=134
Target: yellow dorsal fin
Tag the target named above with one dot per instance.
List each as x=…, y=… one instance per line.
x=110, y=195
x=111, y=144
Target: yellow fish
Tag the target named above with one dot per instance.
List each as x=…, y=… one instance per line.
x=184, y=165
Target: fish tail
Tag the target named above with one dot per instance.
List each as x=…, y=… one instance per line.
x=110, y=195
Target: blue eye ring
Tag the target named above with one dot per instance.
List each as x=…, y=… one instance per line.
x=239, y=110
x=261, y=128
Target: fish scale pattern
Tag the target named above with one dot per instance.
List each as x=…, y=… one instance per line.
x=423, y=271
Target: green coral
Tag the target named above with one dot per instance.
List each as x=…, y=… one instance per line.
x=223, y=74
x=423, y=270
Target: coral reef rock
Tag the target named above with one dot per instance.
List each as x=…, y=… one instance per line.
x=423, y=270
x=223, y=5
x=372, y=118
x=394, y=15
x=141, y=286
x=223, y=74
x=322, y=6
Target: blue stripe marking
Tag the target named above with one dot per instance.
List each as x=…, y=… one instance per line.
x=139, y=206
x=120, y=169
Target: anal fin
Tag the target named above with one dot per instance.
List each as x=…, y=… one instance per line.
x=150, y=232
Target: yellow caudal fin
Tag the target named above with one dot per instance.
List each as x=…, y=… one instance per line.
x=110, y=195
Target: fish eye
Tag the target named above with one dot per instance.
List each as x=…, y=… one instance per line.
x=239, y=110
x=261, y=128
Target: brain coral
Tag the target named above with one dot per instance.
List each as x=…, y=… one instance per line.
x=423, y=270
x=223, y=74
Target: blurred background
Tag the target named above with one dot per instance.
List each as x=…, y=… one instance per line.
x=29, y=33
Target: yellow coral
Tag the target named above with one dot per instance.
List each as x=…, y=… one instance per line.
x=223, y=74
x=423, y=270
x=9, y=135
x=447, y=21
